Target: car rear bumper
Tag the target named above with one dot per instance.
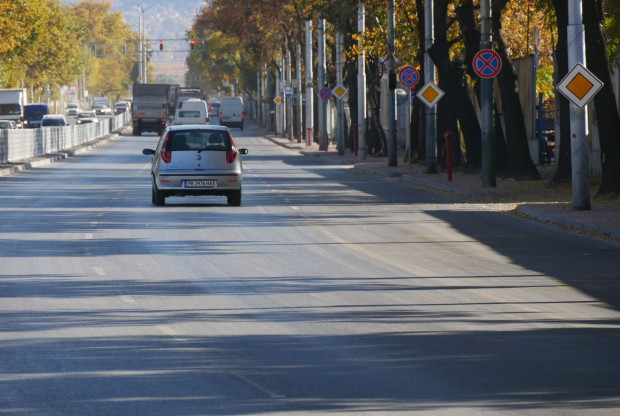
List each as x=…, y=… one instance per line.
x=177, y=183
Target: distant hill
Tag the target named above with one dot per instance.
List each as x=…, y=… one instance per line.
x=164, y=19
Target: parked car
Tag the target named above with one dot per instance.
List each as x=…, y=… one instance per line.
x=102, y=110
x=196, y=160
x=87, y=117
x=231, y=112
x=73, y=109
x=54, y=120
x=7, y=125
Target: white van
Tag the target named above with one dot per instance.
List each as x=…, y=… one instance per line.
x=194, y=111
x=231, y=112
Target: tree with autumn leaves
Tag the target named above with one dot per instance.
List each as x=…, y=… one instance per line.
x=242, y=36
x=44, y=42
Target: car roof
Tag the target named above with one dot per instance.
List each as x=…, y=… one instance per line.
x=206, y=127
x=54, y=116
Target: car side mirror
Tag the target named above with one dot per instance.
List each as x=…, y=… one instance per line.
x=148, y=151
x=243, y=151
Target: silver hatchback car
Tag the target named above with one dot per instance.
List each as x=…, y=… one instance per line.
x=196, y=160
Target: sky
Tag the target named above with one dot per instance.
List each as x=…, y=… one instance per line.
x=164, y=19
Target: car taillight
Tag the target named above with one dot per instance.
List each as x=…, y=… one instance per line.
x=166, y=155
x=231, y=153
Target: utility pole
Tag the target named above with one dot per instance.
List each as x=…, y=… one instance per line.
x=282, y=91
x=429, y=76
x=340, y=125
x=486, y=106
x=578, y=116
x=322, y=82
x=392, y=142
x=289, y=89
x=144, y=61
x=258, y=99
x=534, y=94
x=361, y=84
x=298, y=94
x=309, y=85
x=140, y=81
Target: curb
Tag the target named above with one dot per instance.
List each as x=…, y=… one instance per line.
x=558, y=220
x=524, y=210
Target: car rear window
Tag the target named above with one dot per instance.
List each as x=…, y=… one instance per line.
x=199, y=140
x=189, y=114
x=52, y=122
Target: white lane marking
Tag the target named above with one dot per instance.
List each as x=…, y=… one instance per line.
x=258, y=386
x=88, y=236
x=99, y=271
x=166, y=330
x=127, y=299
x=294, y=208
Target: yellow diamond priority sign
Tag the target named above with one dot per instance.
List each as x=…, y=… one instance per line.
x=430, y=94
x=339, y=91
x=579, y=85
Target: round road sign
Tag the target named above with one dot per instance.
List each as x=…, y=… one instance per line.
x=487, y=63
x=409, y=76
x=325, y=93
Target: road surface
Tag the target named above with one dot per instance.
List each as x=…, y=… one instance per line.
x=328, y=292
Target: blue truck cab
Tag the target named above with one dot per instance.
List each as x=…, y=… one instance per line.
x=33, y=114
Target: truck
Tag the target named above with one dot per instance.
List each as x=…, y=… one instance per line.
x=12, y=102
x=33, y=114
x=101, y=100
x=151, y=107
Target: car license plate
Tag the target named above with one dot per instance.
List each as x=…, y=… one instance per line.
x=199, y=184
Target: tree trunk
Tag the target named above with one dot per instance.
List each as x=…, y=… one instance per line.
x=519, y=163
x=562, y=138
x=439, y=53
x=470, y=123
x=605, y=103
x=377, y=140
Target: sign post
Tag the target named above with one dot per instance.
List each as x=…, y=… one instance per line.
x=409, y=78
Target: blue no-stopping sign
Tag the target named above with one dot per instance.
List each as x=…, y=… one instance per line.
x=409, y=76
x=487, y=63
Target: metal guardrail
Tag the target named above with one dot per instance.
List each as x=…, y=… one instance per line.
x=22, y=144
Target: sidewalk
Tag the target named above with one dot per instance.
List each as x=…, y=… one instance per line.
x=531, y=199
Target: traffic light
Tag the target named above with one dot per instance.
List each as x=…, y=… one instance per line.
x=161, y=45
x=192, y=43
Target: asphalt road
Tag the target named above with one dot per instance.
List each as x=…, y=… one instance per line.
x=328, y=291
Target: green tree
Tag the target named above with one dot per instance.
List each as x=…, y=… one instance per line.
x=107, y=75
x=45, y=49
